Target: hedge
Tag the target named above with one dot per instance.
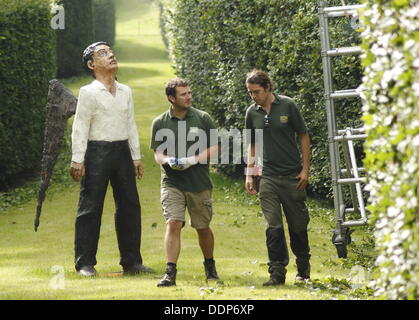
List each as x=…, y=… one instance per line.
x=27, y=63
x=391, y=115
x=77, y=34
x=215, y=43
x=104, y=20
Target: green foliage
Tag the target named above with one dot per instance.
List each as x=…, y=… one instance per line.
x=338, y=289
x=27, y=61
x=75, y=37
x=391, y=115
x=104, y=20
x=28, y=190
x=215, y=43
x=162, y=23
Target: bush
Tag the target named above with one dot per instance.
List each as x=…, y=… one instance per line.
x=104, y=18
x=391, y=115
x=27, y=63
x=163, y=22
x=75, y=37
x=215, y=43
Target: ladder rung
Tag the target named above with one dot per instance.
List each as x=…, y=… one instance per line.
x=344, y=51
x=352, y=130
x=351, y=137
x=343, y=10
x=344, y=171
x=355, y=223
x=352, y=180
x=340, y=94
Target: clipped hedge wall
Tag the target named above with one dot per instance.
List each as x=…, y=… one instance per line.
x=215, y=43
x=75, y=37
x=27, y=63
x=391, y=115
x=104, y=20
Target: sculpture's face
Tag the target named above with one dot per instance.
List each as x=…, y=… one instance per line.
x=103, y=60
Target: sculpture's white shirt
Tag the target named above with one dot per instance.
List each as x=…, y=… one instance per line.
x=100, y=116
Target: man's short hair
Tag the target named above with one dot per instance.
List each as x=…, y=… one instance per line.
x=259, y=77
x=173, y=84
x=88, y=55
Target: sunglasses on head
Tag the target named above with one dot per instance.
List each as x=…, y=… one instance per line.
x=267, y=121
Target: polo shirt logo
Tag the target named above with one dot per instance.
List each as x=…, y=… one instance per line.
x=283, y=119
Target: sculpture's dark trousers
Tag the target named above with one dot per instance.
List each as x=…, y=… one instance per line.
x=104, y=162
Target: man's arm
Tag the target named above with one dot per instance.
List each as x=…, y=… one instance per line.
x=203, y=158
x=160, y=158
x=80, y=134
x=206, y=155
x=306, y=157
x=250, y=168
x=251, y=154
x=133, y=137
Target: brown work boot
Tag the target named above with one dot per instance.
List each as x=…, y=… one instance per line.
x=210, y=270
x=274, y=281
x=303, y=272
x=277, y=274
x=169, y=278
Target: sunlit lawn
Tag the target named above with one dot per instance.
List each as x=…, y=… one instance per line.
x=27, y=259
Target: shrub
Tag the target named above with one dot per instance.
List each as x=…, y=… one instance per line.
x=104, y=18
x=75, y=37
x=27, y=63
x=391, y=115
x=215, y=43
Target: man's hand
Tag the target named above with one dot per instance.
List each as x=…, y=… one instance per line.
x=77, y=170
x=139, y=169
x=181, y=163
x=249, y=185
x=303, y=179
x=171, y=161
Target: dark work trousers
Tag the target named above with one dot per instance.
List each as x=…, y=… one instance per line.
x=104, y=162
x=278, y=192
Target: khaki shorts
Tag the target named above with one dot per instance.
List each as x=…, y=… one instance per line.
x=174, y=203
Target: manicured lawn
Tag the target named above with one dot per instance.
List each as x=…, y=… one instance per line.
x=27, y=259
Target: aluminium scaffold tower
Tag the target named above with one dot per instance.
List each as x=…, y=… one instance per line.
x=341, y=140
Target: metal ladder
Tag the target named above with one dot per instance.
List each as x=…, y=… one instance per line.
x=341, y=140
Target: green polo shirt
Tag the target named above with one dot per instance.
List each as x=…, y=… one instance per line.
x=169, y=134
x=281, y=156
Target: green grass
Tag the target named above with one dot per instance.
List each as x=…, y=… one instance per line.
x=27, y=258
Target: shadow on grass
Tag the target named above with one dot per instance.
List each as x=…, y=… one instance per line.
x=129, y=51
x=127, y=10
x=131, y=73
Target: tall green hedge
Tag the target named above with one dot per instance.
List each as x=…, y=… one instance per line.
x=77, y=34
x=391, y=115
x=27, y=63
x=104, y=20
x=215, y=43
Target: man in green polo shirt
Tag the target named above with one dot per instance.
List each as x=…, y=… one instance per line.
x=284, y=174
x=182, y=144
